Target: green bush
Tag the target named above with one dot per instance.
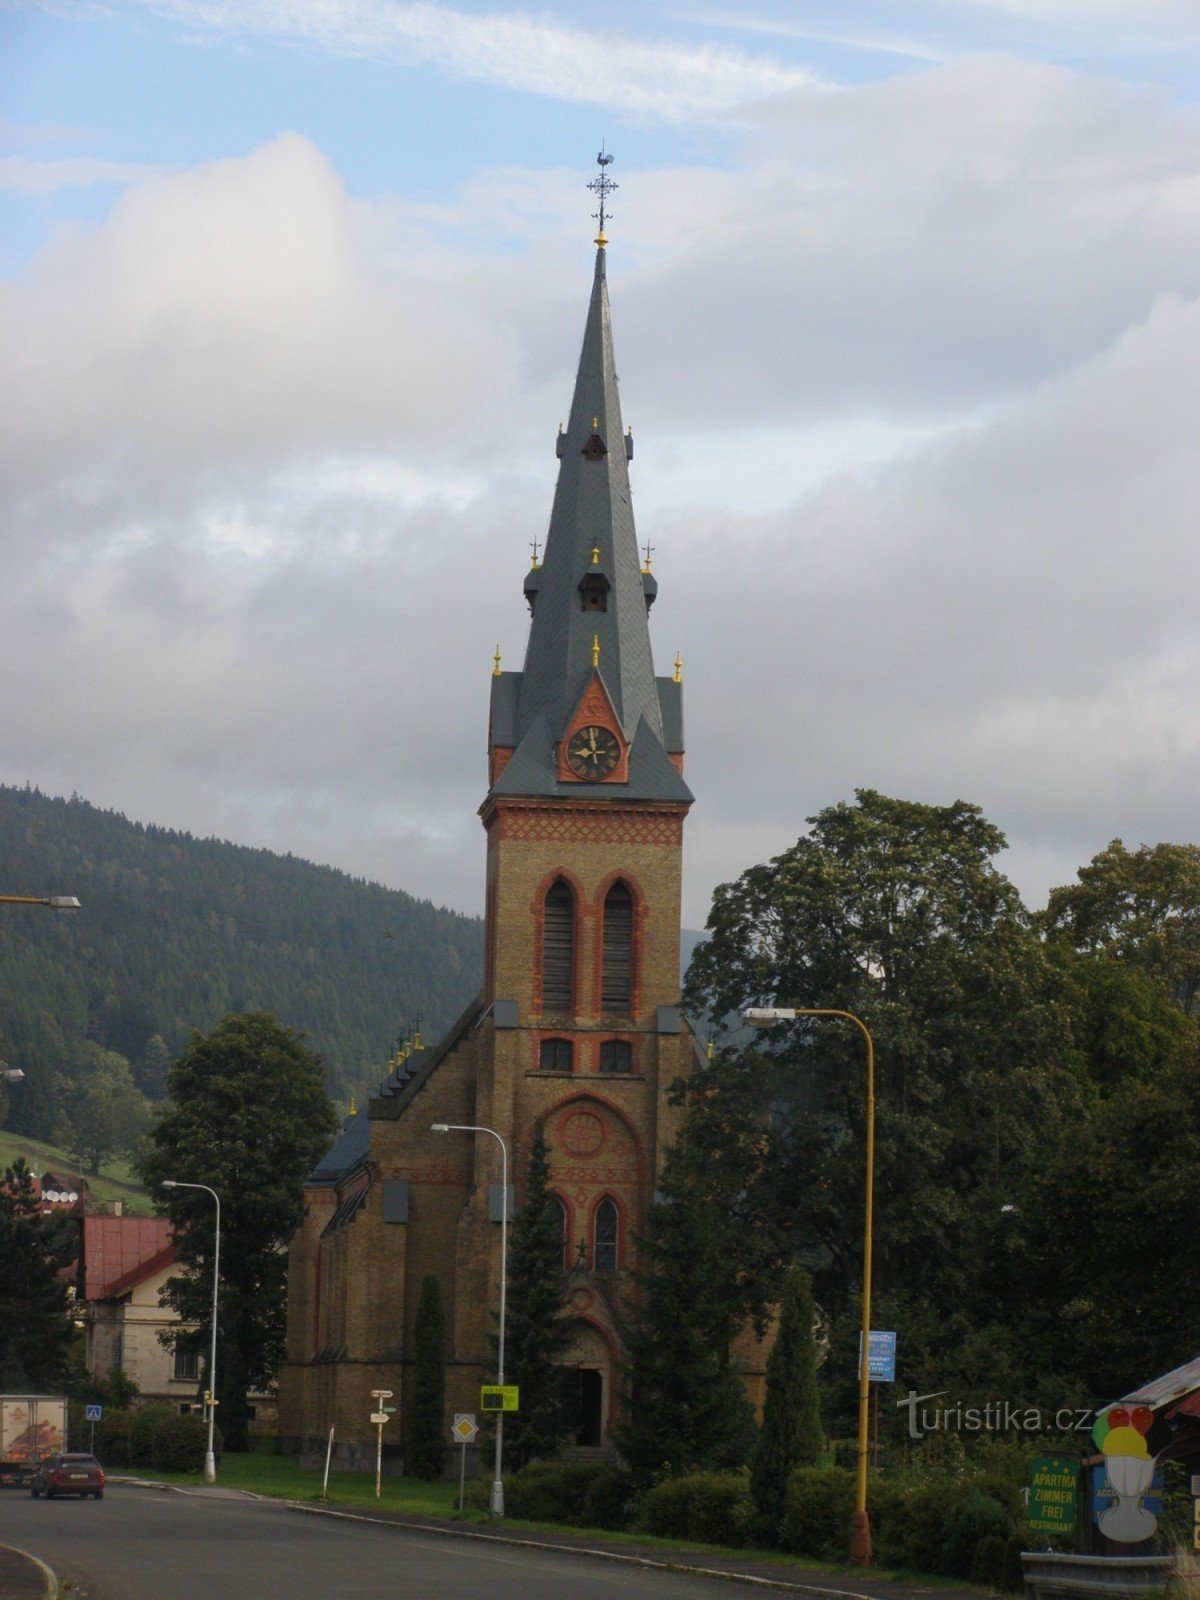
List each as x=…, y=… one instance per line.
x=179, y=1444
x=608, y=1500
x=580, y=1494
x=112, y=1438
x=818, y=1512
x=142, y=1429
x=706, y=1507
x=976, y=1518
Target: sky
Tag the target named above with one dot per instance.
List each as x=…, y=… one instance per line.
x=905, y=303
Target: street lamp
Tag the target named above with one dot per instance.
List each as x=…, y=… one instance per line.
x=56, y=902
x=497, y=1505
x=210, y=1460
x=767, y=1017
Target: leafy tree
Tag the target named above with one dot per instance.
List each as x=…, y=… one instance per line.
x=893, y=911
x=538, y=1331
x=106, y=1115
x=427, y=1417
x=249, y=1117
x=791, y=1434
x=1141, y=906
x=35, y=1320
x=685, y=1408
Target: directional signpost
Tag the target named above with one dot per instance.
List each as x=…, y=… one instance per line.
x=379, y=1416
x=464, y=1430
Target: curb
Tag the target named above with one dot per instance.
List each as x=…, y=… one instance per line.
x=49, y=1577
x=601, y=1554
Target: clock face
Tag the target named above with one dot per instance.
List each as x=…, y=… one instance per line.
x=593, y=752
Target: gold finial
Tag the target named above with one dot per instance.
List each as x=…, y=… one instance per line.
x=353, y=1106
x=595, y=555
x=708, y=1049
x=678, y=667
x=595, y=424
x=417, y=1045
x=595, y=650
x=533, y=545
x=602, y=187
x=496, y=657
x=647, y=563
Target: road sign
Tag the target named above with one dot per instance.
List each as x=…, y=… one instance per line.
x=499, y=1397
x=881, y=1358
x=379, y=1418
x=464, y=1429
x=381, y=1394
x=92, y=1413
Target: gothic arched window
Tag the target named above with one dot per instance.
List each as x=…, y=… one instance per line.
x=617, y=985
x=558, y=947
x=604, y=1250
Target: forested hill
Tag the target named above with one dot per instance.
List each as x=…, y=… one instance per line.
x=176, y=931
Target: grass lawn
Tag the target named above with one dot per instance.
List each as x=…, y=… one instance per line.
x=118, y=1183
x=279, y=1477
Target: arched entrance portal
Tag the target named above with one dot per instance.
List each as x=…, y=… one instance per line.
x=587, y=1379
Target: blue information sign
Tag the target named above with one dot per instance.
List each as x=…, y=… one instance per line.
x=92, y=1413
x=881, y=1361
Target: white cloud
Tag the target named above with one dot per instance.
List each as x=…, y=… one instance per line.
x=914, y=400
x=514, y=50
x=20, y=175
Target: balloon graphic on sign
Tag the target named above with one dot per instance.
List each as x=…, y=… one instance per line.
x=1126, y=1434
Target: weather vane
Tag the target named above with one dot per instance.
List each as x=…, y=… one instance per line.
x=602, y=187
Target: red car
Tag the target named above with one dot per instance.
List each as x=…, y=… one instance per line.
x=68, y=1474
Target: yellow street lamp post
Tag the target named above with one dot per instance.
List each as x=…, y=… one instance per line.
x=767, y=1017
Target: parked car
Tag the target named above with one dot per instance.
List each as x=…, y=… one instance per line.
x=68, y=1474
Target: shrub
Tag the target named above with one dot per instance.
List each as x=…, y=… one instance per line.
x=976, y=1518
x=142, y=1430
x=818, y=1512
x=112, y=1438
x=706, y=1507
x=179, y=1444
x=578, y=1493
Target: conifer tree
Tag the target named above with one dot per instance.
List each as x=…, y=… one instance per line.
x=35, y=1317
x=427, y=1418
x=537, y=1331
x=791, y=1433
x=685, y=1407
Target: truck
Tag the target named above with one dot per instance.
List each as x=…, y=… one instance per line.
x=31, y=1426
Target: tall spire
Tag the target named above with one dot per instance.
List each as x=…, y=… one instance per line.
x=590, y=596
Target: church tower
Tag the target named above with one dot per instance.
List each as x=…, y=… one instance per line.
x=577, y=1026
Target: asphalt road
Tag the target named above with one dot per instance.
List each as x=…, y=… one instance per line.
x=146, y=1544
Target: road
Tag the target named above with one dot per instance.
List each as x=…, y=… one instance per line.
x=147, y=1544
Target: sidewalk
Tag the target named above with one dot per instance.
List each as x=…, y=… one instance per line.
x=23, y=1577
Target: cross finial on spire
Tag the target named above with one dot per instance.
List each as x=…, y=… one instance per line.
x=602, y=186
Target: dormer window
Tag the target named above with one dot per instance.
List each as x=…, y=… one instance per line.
x=593, y=592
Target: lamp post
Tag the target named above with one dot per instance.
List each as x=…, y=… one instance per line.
x=767, y=1017
x=210, y=1460
x=497, y=1503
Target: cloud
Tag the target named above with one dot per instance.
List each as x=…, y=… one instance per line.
x=513, y=50
x=913, y=394
x=20, y=175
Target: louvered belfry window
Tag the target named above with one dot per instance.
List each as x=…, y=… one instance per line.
x=618, y=949
x=558, y=948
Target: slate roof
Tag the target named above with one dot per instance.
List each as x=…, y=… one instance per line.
x=119, y=1252
x=346, y=1151
x=592, y=515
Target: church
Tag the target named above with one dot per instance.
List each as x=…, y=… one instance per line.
x=577, y=1025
